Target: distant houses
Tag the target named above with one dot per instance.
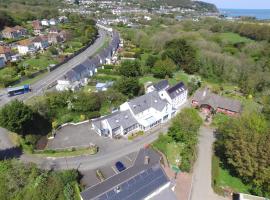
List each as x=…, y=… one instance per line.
x=15, y=32
x=143, y=113
x=5, y=53
x=81, y=73
x=26, y=46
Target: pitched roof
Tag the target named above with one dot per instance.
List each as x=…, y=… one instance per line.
x=25, y=42
x=161, y=85
x=79, y=68
x=118, y=119
x=40, y=39
x=176, y=90
x=4, y=49
x=134, y=183
x=70, y=76
x=144, y=102
x=205, y=96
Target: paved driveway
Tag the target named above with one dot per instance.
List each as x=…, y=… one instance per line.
x=201, y=187
x=82, y=135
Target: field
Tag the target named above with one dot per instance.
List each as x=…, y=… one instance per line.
x=233, y=38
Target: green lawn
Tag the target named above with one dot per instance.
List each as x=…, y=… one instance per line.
x=221, y=178
x=178, y=76
x=31, y=80
x=173, y=152
x=38, y=63
x=233, y=38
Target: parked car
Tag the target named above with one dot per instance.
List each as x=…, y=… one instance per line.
x=120, y=166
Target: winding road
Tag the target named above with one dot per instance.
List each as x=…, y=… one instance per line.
x=41, y=85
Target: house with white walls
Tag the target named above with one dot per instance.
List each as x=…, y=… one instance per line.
x=157, y=106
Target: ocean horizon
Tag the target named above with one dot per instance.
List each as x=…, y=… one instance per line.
x=260, y=14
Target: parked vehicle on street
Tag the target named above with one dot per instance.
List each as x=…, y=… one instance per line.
x=120, y=166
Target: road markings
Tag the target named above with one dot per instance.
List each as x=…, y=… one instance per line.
x=127, y=157
x=114, y=170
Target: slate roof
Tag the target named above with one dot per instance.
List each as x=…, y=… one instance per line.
x=70, y=76
x=134, y=183
x=205, y=96
x=117, y=119
x=176, y=90
x=142, y=103
x=89, y=63
x=161, y=85
x=79, y=69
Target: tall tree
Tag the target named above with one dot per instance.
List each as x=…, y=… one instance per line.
x=183, y=55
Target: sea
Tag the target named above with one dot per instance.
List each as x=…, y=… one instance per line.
x=260, y=14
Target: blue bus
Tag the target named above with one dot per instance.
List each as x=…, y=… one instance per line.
x=12, y=91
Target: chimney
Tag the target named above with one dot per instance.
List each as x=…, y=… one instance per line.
x=146, y=160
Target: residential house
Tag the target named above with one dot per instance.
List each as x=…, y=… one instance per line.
x=53, y=22
x=14, y=32
x=15, y=58
x=149, y=110
x=144, y=180
x=209, y=102
x=54, y=29
x=68, y=82
x=54, y=38
x=26, y=46
x=41, y=42
x=77, y=77
x=62, y=19
x=175, y=95
x=45, y=22
x=117, y=124
x=37, y=27
x=161, y=85
x=5, y=52
x=2, y=62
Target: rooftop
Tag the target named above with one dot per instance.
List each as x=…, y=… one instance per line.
x=134, y=183
x=144, y=102
x=205, y=96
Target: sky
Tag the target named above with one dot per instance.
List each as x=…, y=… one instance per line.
x=243, y=4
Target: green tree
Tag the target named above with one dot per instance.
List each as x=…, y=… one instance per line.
x=164, y=68
x=85, y=102
x=130, y=68
x=243, y=145
x=183, y=55
x=16, y=117
x=128, y=86
x=151, y=60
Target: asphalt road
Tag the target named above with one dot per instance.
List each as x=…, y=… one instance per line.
x=41, y=85
x=100, y=159
x=201, y=184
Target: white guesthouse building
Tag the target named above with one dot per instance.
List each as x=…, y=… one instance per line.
x=158, y=105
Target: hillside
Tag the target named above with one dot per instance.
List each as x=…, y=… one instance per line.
x=197, y=5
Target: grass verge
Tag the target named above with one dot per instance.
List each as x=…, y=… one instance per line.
x=67, y=152
x=223, y=180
